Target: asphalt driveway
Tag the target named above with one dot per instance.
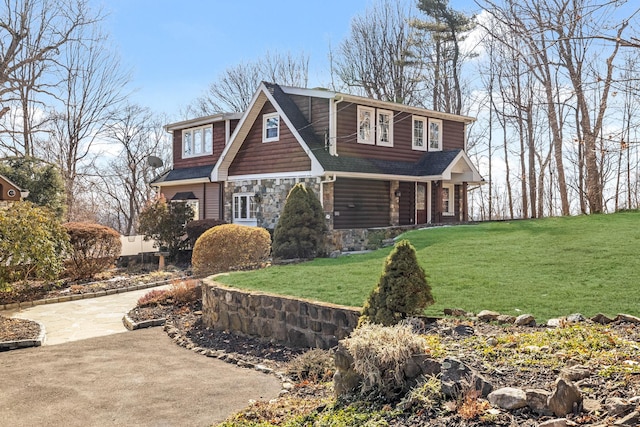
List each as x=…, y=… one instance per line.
x=138, y=378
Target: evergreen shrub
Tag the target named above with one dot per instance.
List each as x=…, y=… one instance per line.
x=196, y=228
x=94, y=248
x=301, y=227
x=230, y=247
x=402, y=290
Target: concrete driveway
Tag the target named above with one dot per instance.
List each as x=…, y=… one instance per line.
x=138, y=378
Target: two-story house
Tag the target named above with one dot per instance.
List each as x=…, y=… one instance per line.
x=371, y=163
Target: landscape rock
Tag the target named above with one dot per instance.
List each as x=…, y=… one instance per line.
x=464, y=330
x=575, y=373
x=456, y=377
x=525, y=320
x=508, y=398
x=488, y=316
x=575, y=318
x=457, y=312
x=554, y=323
x=602, y=319
x=537, y=400
x=505, y=319
x=631, y=420
x=628, y=318
x=617, y=406
x=565, y=398
x=492, y=341
x=591, y=406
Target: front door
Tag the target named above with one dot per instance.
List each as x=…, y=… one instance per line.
x=421, y=203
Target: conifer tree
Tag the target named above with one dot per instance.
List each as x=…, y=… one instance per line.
x=300, y=229
x=402, y=290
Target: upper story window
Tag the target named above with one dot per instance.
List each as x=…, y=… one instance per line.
x=385, y=128
x=365, y=125
x=435, y=135
x=197, y=141
x=270, y=127
x=419, y=133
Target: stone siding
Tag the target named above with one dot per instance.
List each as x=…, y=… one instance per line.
x=272, y=194
x=290, y=321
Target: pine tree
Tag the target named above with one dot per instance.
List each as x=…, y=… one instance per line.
x=300, y=229
x=402, y=290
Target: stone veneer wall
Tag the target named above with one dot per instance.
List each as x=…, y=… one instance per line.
x=273, y=193
x=290, y=321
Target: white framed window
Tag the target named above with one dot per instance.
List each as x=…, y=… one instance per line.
x=435, y=135
x=419, y=131
x=197, y=141
x=366, y=117
x=384, y=134
x=270, y=127
x=244, y=208
x=448, y=200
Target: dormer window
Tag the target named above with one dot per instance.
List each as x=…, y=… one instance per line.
x=270, y=127
x=366, y=117
x=435, y=135
x=385, y=128
x=197, y=141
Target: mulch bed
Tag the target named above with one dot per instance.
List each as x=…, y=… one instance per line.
x=18, y=329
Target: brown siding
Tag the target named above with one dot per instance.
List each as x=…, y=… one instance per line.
x=361, y=203
x=452, y=134
x=255, y=156
x=5, y=187
x=436, y=205
x=315, y=110
x=407, y=203
x=208, y=195
x=218, y=146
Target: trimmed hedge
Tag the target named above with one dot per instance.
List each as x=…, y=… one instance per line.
x=230, y=247
x=196, y=228
x=94, y=248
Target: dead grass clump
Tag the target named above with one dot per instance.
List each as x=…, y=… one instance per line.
x=315, y=366
x=380, y=354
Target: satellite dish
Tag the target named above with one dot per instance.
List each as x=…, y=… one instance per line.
x=154, y=162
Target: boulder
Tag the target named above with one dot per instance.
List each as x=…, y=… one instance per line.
x=558, y=422
x=628, y=318
x=463, y=330
x=508, y=398
x=457, y=312
x=537, y=400
x=631, y=420
x=565, y=398
x=602, y=319
x=575, y=373
x=456, y=377
x=488, y=316
x=576, y=318
x=525, y=320
x=617, y=406
x=505, y=319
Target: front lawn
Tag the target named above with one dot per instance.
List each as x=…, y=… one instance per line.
x=549, y=267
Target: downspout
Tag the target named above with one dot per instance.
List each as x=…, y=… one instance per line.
x=333, y=126
x=329, y=180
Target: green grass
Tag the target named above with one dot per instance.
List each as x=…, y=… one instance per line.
x=549, y=268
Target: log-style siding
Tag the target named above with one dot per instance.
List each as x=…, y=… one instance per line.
x=361, y=203
x=219, y=136
x=316, y=111
x=407, y=203
x=347, y=137
x=255, y=156
x=436, y=205
x=208, y=195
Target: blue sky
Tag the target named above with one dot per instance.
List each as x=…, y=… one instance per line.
x=176, y=48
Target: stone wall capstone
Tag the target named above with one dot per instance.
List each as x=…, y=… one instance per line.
x=290, y=321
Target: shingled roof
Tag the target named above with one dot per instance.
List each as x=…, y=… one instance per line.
x=198, y=172
x=430, y=164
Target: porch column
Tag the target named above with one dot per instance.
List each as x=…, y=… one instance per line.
x=465, y=202
x=437, y=215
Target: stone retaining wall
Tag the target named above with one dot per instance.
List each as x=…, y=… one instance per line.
x=290, y=321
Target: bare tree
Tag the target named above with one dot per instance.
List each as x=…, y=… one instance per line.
x=124, y=180
x=234, y=88
x=33, y=32
x=92, y=85
x=378, y=58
